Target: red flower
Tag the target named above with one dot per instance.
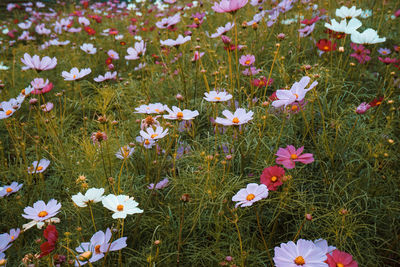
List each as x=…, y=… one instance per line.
x=262, y=82
x=89, y=30
x=310, y=21
x=340, y=258
x=51, y=234
x=337, y=35
x=326, y=45
x=376, y=102
x=272, y=177
x=108, y=61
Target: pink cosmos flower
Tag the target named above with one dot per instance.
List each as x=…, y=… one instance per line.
x=362, y=108
x=289, y=156
x=228, y=5
x=222, y=30
x=251, y=71
x=137, y=51
x=197, y=55
x=388, y=60
x=247, y=60
x=35, y=63
x=340, y=258
x=112, y=54
x=360, y=53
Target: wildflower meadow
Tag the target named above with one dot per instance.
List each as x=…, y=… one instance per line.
x=200, y=133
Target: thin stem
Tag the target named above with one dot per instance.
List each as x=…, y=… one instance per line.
x=240, y=241
x=91, y=214
x=263, y=239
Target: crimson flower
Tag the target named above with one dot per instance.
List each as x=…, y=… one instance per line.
x=376, y=101
x=51, y=234
x=340, y=258
x=89, y=30
x=272, y=177
x=326, y=45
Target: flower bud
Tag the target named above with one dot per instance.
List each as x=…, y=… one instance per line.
x=85, y=256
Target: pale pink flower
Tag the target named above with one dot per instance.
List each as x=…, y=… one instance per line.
x=247, y=60
x=112, y=54
x=107, y=76
x=238, y=118
x=228, y=5
x=362, y=108
x=180, y=40
x=137, y=51
x=75, y=74
x=222, y=30
x=197, y=55
x=289, y=156
x=35, y=63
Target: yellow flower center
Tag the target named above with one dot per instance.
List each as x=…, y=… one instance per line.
x=8, y=190
x=120, y=207
x=339, y=265
x=39, y=168
x=8, y=112
x=299, y=260
x=326, y=48
x=154, y=135
x=274, y=178
x=196, y=20
x=126, y=153
x=12, y=237
x=43, y=213
x=378, y=103
x=235, y=120
x=294, y=108
x=217, y=98
x=23, y=91
x=97, y=249
x=157, y=110
x=73, y=77
x=146, y=142
x=179, y=115
x=250, y=197
x=247, y=62
x=293, y=156
x=296, y=95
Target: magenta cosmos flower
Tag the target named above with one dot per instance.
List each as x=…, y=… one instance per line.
x=228, y=5
x=341, y=259
x=252, y=193
x=289, y=156
x=42, y=211
x=35, y=63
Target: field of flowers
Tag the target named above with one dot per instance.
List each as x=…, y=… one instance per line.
x=200, y=133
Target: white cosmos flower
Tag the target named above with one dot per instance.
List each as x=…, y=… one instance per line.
x=369, y=36
x=125, y=152
x=215, y=96
x=178, y=114
x=107, y=76
x=137, y=51
x=151, y=108
x=346, y=13
x=88, y=48
x=75, y=74
x=343, y=26
x=296, y=93
x=121, y=205
x=180, y=40
x=238, y=118
x=150, y=134
x=92, y=195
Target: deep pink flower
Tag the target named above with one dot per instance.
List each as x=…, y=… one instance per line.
x=388, y=60
x=340, y=258
x=360, y=53
x=228, y=5
x=289, y=155
x=272, y=177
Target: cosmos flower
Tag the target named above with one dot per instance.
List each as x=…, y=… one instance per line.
x=307, y=30
x=136, y=52
x=51, y=235
x=107, y=76
x=92, y=195
x=222, y=30
x=169, y=22
x=228, y=5
x=38, y=167
x=343, y=26
x=35, y=63
x=216, y=96
x=247, y=60
x=160, y=185
x=347, y=13
x=197, y=55
x=12, y=235
x=362, y=108
x=304, y=253
x=121, y=205
x=151, y=134
x=251, y=71
x=42, y=211
x=88, y=48
x=289, y=156
x=147, y=143
x=272, y=177
x=326, y=45
x=112, y=54
x=180, y=40
x=360, y=53
x=4, y=243
x=151, y=108
x=125, y=152
x=296, y=93
x=99, y=245
x=75, y=74
x=341, y=259
x=178, y=114
x=323, y=244
x=238, y=118
x=252, y=193
x=10, y=189
x=369, y=36
x=384, y=51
